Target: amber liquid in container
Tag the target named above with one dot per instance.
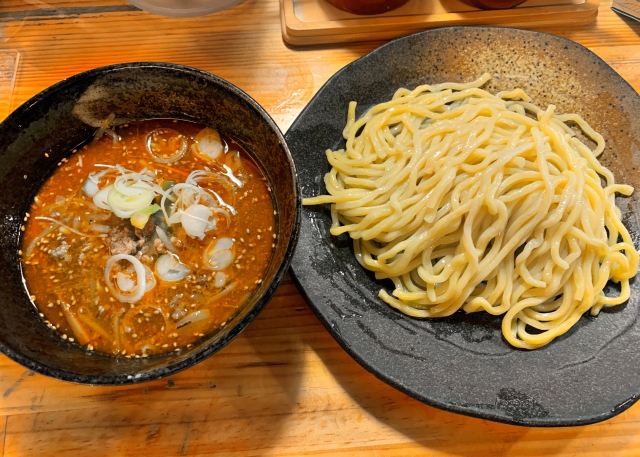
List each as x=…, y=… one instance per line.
x=367, y=7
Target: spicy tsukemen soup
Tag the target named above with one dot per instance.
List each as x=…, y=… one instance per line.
x=147, y=238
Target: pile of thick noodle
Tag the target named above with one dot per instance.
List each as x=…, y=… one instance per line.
x=468, y=200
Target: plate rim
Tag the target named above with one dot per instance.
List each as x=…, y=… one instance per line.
x=386, y=378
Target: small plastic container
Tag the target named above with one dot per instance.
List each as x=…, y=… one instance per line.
x=183, y=8
x=367, y=7
x=9, y=60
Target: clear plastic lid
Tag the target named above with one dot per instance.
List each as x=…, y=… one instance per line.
x=183, y=8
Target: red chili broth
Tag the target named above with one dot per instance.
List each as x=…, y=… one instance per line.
x=146, y=327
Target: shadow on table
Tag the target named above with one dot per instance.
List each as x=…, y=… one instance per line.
x=236, y=402
x=456, y=434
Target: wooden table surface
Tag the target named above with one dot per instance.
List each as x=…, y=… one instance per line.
x=284, y=386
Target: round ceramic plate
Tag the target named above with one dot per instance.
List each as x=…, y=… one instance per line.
x=462, y=363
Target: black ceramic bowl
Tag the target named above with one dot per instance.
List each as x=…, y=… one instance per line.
x=65, y=116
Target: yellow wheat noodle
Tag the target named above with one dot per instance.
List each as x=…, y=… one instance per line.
x=468, y=200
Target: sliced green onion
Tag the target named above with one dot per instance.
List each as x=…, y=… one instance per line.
x=125, y=206
x=140, y=218
x=166, y=185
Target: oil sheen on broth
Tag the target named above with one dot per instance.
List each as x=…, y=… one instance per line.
x=148, y=238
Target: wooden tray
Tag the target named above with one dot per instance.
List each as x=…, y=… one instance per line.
x=307, y=22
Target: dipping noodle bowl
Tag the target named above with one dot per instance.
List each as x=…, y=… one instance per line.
x=148, y=237
x=157, y=214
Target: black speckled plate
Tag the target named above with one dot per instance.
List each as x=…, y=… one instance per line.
x=462, y=363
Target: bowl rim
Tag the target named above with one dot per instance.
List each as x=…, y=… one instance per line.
x=210, y=349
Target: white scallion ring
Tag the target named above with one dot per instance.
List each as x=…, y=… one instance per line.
x=137, y=292
x=170, y=159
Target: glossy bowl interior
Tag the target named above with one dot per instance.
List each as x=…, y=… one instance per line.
x=65, y=116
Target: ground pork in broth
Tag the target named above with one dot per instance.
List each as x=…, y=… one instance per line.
x=148, y=238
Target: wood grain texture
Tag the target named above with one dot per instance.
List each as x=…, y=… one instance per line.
x=306, y=22
x=284, y=386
